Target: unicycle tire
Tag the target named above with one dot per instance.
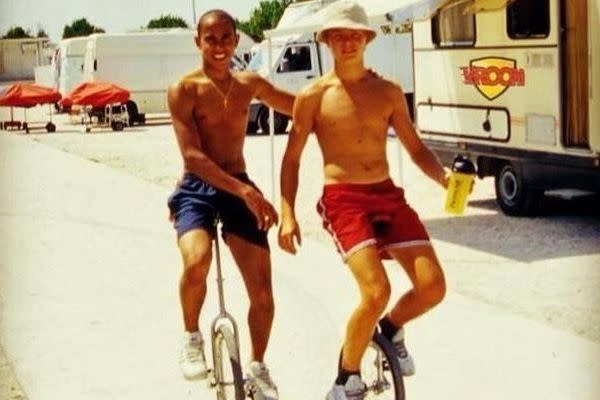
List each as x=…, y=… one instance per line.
x=229, y=380
x=381, y=354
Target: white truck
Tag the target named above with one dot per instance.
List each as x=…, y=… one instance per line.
x=297, y=58
x=145, y=63
x=517, y=90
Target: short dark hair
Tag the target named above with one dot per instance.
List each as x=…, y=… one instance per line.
x=220, y=13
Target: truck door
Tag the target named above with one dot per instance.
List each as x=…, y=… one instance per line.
x=297, y=67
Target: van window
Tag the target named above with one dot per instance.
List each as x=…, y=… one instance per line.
x=527, y=19
x=453, y=26
x=295, y=58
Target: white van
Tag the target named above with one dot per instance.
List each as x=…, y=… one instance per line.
x=297, y=58
x=516, y=90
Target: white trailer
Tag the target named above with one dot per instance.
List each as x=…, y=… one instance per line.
x=297, y=58
x=145, y=63
x=517, y=90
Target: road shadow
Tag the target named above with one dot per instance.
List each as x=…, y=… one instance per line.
x=561, y=228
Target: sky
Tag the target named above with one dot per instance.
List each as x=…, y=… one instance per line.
x=112, y=15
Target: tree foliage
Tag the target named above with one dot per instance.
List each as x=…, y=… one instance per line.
x=16, y=32
x=167, y=21
x=264, y=17
x=80, y=27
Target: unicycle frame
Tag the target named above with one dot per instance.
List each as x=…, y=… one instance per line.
x=224, y=332
x=386, y=361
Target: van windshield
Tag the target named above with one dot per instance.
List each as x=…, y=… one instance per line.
x=259, y=60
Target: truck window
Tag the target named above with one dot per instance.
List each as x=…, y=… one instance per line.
x=453, y=26
x=527, y=19
x=295, y=59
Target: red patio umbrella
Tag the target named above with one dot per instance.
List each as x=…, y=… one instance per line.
x=27, y=95
x=96, y=94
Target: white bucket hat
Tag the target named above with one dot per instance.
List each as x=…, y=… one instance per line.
x=346, y=14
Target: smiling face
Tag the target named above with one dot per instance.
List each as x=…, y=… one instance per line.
x=217, y=39
x=346, y=44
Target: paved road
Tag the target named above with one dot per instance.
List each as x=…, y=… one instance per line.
x=89, y=269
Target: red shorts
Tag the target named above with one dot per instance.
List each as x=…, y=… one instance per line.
x=360, y=215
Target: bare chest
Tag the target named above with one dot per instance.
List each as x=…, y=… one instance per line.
x=357, y=111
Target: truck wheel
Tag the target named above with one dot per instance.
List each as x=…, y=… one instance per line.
x=514, y=196
x=281, y=121
x=50, y=127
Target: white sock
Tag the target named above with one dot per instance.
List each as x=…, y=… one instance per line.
x=194, y=337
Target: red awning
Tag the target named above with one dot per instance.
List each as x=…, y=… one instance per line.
x=27, y=95
x=96, y=94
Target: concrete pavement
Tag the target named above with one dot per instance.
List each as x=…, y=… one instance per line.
x=88, y=278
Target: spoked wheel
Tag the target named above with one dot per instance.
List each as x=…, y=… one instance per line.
x=229, y=380
x=380, y=371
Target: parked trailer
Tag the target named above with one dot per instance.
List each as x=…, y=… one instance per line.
x=516, y=90
x=146, y=63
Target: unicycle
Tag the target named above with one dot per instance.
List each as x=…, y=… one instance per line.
x=226, y=375
x=380, y=370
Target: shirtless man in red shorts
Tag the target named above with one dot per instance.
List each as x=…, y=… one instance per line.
x=350, y=111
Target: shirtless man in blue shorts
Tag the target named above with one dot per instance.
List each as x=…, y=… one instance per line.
x=209, y=109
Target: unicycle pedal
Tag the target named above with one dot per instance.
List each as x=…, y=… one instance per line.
x=252, y=390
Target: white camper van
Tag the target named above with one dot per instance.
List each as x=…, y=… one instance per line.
x=68, y=63
x=297, y=58
x=517, y=90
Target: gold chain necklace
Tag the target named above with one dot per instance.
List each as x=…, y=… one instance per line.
x=224, y=95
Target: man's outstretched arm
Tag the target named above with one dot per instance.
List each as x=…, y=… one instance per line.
x=303, y=117
x=272, y=96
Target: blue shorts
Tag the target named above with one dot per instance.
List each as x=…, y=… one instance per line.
x=195, y=204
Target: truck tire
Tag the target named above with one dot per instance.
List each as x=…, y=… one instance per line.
x=514, y=196
x=281, y=121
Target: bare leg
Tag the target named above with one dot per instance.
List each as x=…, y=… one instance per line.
x=374, y=295
x=429, y=286
x=254, y=263
x=196, y=252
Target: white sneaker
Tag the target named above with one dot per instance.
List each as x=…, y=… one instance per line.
x=354, y=389
x=259, y=373
x=192, y=360
x=407, y=365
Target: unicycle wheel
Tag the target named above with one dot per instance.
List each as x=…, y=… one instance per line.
x=229, y=381
x=381, y=372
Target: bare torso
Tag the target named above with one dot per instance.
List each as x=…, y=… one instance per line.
x=351, y=125
x=221, y=117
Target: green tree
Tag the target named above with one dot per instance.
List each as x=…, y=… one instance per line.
x=41, y=33
x=16, y=32
x=80, y=27
x=264, y=17
x=167, y=21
